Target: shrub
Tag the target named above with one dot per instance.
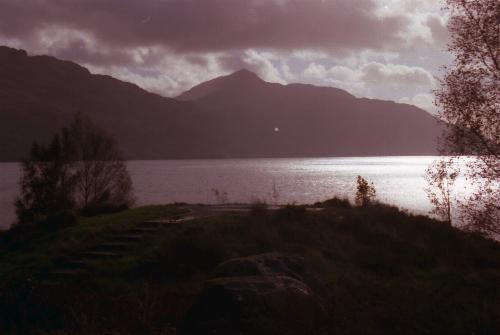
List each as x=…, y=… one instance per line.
x=80, y=170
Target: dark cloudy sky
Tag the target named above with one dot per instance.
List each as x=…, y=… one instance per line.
x=389, y=49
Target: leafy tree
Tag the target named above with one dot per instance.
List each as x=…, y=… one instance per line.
x=80, y=170
x=46, y=186
x=365, y=194
x=469, y=104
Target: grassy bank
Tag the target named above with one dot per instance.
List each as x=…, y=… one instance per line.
x=380, y=270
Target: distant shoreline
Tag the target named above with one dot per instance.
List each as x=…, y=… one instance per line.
x=398, y=180
x=251, y=158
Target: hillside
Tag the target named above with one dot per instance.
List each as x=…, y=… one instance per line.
x=340, y=270
x=234, y=116
x=313, y=121
x=39, y=94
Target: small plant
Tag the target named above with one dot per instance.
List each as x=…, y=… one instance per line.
x=258, y=208
x=365, y=194
x=147, y=303
x=334, y=202
x=220, y=196
x=275, y=194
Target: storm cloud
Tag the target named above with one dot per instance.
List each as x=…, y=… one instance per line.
x=169, y=45
x=203, y=25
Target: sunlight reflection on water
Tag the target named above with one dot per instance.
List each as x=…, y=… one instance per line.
x=398, y=181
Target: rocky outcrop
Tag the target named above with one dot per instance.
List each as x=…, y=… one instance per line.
x=263, y=294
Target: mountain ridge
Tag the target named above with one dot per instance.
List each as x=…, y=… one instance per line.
x=243, y=77
x=233, y=116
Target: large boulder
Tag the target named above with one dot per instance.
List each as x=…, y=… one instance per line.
x=263, y=294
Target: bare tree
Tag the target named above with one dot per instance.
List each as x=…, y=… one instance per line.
x=469, y=104
x=102, y=179
x=441, y=177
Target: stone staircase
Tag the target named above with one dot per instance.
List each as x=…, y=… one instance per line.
x=119, y=245
x=82, y=263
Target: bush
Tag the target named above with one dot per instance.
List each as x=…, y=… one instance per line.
x=334, y=202
x=81, y=170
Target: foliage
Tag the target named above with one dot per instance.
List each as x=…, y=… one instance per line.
x=440, y=178
x=365, y=194
x=102, y=180
x=334, y=202
x=80, y=170
x=469, y=105
x=46, y=185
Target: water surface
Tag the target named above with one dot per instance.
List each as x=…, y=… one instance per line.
x=398, y=181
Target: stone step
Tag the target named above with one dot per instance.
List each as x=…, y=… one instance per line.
x=60, y=273
x=232, y=209
x=151, y=224
x=127, y=238
x=51, y=282
x=73, y=264
x=112, y=246
x=143, y=230
x=97, y=255
x=163, y=222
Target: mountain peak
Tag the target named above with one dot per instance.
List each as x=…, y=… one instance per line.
x=240, y=79
x=244, y=74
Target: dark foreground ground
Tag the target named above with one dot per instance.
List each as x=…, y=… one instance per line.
x=203, y=270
